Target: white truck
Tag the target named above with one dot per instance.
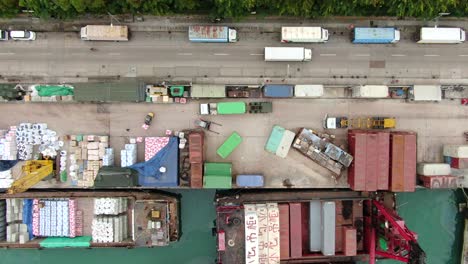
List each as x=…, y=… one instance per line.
x=304, y=34
x=287, y=54
x=425, y=93
x=104, y=33
x=441, y=35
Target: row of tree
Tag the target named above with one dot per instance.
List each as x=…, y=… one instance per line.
x=237, y=8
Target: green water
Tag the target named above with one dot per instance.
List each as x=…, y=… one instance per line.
x=432, y=214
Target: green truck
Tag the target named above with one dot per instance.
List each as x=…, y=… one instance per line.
x=224, y=108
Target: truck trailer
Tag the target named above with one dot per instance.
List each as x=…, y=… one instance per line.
x=370, y=35
x=213, y=34
x=223, y=108
x=287, y=54
x=304, y=35
x=104, y=33
x=441, y=35
x=207, y=91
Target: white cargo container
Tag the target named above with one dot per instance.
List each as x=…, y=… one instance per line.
x=425, y=93
x=433, y=169
x=370, y=91
x=456, y=151
x=304, y=34
x=308, y=90
x=328, y=228
x=287, y=54
x=441, y=35
x=104, y=33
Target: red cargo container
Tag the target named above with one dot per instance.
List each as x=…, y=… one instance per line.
x=295, y=229
x=403, y=162
x=196, y=175
x=439, y=182
x=370, y=168
x=349, y=241
x=459, y=163
x=284, y=230
x=195, y=140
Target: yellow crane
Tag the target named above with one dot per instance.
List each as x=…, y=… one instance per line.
x=34, y=171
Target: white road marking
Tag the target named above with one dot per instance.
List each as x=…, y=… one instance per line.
x=114, y=54
x=7, y=53
x=184, y=54
x=362, y=55
x=431, y=55
x=398, y=55
x=330, y=54
x=221, y=54
x=463, y=55
x=256, y=54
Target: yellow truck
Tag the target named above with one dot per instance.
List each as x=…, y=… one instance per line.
x=359, y=123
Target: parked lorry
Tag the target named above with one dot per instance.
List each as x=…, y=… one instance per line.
x=308, y=90
x=373, y=122
x=287, y=54
x=335, y=122
x=104, y=33
x=207, y=91
x=304, y=34
x=223, y=108
x=278, y=90
x=441, y=35
x=425, y=93
x=370, y=91
x=214, y=34
x=371, y=35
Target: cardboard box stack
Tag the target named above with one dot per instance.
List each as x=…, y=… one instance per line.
x=108, y=158
x=8, y=150
x=15, y=230
x=86, y=157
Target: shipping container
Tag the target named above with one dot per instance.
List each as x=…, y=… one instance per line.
x=285, y=144
x=439, y=182
x=217, y=175
x=82, y=219
x=374, y=35
x=304, y=35
x=425, y=93
x=308, y=90
x=370, y=91
x=207, y=91
x=441, y=35
x=274, y=139
x=251, y=227
x=328, y=228
x=278, y=90
x=459, y=163
x=456, y=151
x=349, y=241
x=295, y=231
x=196, y=175
x=433, y=169
x=250, y=180
x=403, y=161
x=195, y=140
x=287, y=54
x=315, y=226
x=125, y=91
x=284, y=230
x=231, y=143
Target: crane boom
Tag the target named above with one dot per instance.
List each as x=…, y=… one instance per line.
x=34, y=171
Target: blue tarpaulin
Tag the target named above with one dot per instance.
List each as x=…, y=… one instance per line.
x=167, y=157
x=7, y=164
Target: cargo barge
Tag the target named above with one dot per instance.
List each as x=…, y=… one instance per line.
x=88, y=219
x=311, y=227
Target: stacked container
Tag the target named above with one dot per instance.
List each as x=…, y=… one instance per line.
x=457, y=157
x=382, y=160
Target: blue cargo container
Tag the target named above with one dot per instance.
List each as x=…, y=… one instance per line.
x=215, y=34
x=367, y=35
x=249, y=180
x=278, y=90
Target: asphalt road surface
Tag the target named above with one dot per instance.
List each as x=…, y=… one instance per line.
x=436, y=124
x=171, y=55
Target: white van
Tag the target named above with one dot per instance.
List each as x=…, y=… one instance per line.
x=22, y=35
x=440, y=35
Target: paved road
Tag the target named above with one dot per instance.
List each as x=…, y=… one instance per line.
x=162, y=54
x=436, y=124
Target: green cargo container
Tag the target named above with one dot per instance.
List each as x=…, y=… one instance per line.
x=275, y=139
x=217, y=175
x=116, y=177
x=231, y=108
x=124, y=91
x=229, y=145
x=208, y=91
